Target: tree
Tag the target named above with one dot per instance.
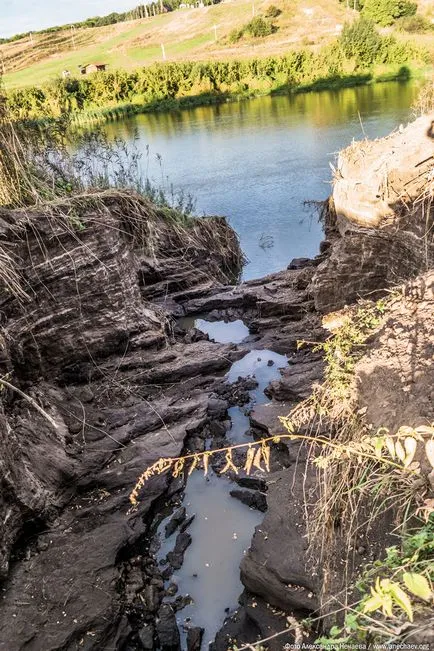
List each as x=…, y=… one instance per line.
x=385, y=12
x=361, y=41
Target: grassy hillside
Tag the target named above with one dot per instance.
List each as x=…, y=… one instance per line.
x=185, y=34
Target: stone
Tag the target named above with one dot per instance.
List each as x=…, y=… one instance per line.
x=167, y=629
x=217, y=408
x=252, y=482
x=274, y=566
x=299, y=263
x=146, y=636
x=177, y=518
x=184, y=526
x=194, y=638
x=171, y=589
x=176, y=557
x=253, y=499
x=181, y=602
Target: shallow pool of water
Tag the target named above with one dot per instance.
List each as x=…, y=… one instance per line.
x=221, y=533
x=223, y=527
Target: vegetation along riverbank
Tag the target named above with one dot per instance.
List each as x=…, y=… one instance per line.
x=360, y=55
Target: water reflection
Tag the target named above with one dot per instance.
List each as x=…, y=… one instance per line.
x=258, y=161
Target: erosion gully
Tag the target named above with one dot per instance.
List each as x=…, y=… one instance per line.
x=221, y=527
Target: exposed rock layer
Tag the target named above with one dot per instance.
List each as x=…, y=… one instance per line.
x=380, y=221
x=93, y=345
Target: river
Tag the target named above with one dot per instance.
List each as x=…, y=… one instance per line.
x=259, y=161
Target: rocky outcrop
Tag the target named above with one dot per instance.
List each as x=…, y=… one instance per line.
x=109, y=383
x=87, y=336
x=275, y=566
x=380, y=220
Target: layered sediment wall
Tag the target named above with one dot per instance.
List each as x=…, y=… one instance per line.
x=99, y=382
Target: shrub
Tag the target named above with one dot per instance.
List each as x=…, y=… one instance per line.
x=272, y=12
x=235, y=35
x=361, y=41
x=385, y=12
x=413, y=24
x=258, y=27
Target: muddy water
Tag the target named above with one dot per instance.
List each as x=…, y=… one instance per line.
x=223, y=527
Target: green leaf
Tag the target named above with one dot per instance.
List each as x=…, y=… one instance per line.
x=401, y=599
x=351, y=622
x=418, y=585
x=374, y=603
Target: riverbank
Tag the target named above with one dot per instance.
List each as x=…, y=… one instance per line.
x=124, y=110
x=193, y=33
x=112, y=380
x=171, y=86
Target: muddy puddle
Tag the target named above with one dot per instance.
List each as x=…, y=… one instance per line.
x=222, y=527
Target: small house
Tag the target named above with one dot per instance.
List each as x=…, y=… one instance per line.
x=92, y=67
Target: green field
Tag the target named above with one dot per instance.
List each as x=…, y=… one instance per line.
x=185, y=34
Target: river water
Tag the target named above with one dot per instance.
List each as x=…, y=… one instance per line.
x=258, y=161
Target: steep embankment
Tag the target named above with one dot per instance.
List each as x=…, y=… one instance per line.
x=88, y=334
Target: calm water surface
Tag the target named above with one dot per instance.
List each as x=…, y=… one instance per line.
x=258, y=161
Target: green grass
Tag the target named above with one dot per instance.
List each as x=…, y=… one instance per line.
x=184, y=33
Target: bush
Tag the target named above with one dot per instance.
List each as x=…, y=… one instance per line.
x=235, y=35
x=386, y=12
x=258, y=27
x=361, y=41
x=272, y=12
x=413, y=24
x=165, y=85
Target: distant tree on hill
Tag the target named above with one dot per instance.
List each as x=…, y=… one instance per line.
x=141, y=11
x=385, y=12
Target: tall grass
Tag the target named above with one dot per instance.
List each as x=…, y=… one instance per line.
x=38, y=165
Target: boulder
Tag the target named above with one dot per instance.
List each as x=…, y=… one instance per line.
x=194, y=638
x=167, y=629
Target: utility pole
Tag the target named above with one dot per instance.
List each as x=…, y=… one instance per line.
x=72, y=37
x=215, y=33
x=31, y=38
x=163, y=51
x=253, y=9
